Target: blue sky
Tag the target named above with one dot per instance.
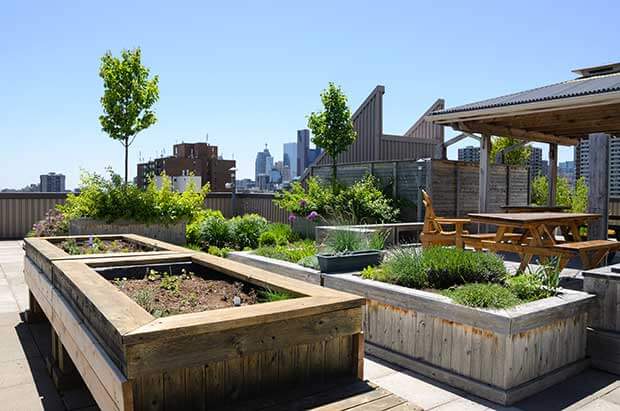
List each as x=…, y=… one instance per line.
x=248, y=73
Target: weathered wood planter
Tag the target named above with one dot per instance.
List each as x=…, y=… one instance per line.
x=604, y=317
x=43, y=250
x=284, y=268
x=172, y=233
x=131, y=360
x=500, y=355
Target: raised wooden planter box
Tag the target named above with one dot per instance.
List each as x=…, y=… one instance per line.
x=131, y=360
x=171, y=233
x=604, y=317
x=501, y=355
x=43, y=250
x=284, y=268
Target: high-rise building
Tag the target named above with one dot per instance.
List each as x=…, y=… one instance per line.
x=538, y=166
x=198, y=159
x=566, y=169
x=582, y=164
x=290, y=158
x=52, y=183
x=469, y=153
x=260, y=165
x=303, y=148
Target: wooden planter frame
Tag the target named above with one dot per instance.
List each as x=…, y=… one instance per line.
x=131, y=360
x=285, y=268
x=501, y=355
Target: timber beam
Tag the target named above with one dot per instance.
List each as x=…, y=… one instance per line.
x=489, y=128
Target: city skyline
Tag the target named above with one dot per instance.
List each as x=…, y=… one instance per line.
x=208, y=87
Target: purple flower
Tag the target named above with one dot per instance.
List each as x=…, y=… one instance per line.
x=313, y=216
x=90, y=241
x=302, y=203
x=292, y=218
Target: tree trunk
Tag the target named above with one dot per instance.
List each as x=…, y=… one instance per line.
x=334, y=175
x=126, y=159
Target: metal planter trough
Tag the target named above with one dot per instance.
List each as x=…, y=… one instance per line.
x=131, y=360
x=501, y=355
x=349, y=262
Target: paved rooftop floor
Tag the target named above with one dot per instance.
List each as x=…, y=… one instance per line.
x=25, y=384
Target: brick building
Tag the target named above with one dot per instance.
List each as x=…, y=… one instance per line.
x=200, y=159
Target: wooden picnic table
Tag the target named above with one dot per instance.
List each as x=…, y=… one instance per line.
x=533, y=208
x=537, y=232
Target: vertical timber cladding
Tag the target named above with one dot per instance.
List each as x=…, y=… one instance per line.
x=19, y=211
x=454, y=187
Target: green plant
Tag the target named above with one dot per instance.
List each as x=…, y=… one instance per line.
x=245, y=231
x=54, y=224
x=291, y=252
x=128, y=95
x=217, y=251
x=483, y=295
x=374, y=273
x=332, y=128
x=343, y=241
x=527, y=287
x=277, y=234
x=144, y=298
x=214, y=231
x=548, y=273
x=310, y=261
x=110, y=199
x=376, y=240
x=580, y=196
x=269, y=295
x=516, y=157
x=441, y=267
x=192, y=230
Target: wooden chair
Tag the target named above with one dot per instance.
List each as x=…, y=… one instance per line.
x=433, y=232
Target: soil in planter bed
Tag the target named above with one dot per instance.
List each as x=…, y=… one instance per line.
x=191, y=294
x=101, y=246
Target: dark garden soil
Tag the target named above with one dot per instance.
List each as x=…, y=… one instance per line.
x=185, y=294
x=99, y=246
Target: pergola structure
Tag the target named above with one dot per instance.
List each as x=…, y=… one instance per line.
x=556, y=114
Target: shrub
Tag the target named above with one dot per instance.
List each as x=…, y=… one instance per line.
x=111, y=199
x=441, y=267
x=527, y=287
x=277, y=234
x=54, y=224
x=292, y=252
x=214, y=230
x=219, y=252
x=245, y=231
x=192, y=230
x=343, y=241
x=363, y=202
x=482, y=295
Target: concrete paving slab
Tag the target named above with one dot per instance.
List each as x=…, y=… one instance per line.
x=416, y=390
x=17, y=343
x=20, y=371
x=613, y=396
x=375, y=368
x=600, y=405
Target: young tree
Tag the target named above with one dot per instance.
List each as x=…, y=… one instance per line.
x=517, y=157
x=332, y=128
x=580, y=197
x=128, y=95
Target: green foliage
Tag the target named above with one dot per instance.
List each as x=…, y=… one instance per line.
x=192, y=230
x=363, y=202
x=110, y=200
x=292, y=252
x=277, y=234
x=128, y=95
x=310, y=261
x=268, y=296
x=527, y=287
x=517, y=157
x=217, y=251
x=548, y=274
x=344, y=241
x=332, y=128
x=245, y=231
x=376, y=239
x=439, y=267
x=144, y=298
x=483, y=295
x=576, y=199
x=580, y=196
x=214, y=231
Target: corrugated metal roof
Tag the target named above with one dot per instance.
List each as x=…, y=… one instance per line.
x=571, y=88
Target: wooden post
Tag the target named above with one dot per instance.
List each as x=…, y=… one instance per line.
x=553, y=174
x=598, y=190
x=485, y=177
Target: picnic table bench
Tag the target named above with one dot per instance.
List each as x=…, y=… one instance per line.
x=536, y=237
